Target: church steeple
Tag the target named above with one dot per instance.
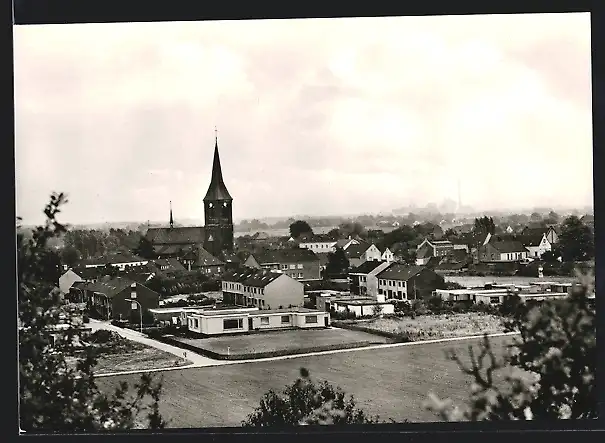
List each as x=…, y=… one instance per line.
x=171, y=220
x=217, y=189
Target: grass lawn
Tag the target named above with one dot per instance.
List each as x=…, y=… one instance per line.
x=138, y=357
x=427, y=327
x=392, y=383
x=282, y=340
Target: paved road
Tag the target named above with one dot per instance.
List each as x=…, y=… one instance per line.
x=199, y=361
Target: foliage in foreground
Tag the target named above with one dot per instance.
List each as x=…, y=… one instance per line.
x=554, y=359
x=56, y=396
x=307, y=403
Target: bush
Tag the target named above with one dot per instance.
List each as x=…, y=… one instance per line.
x=85, y=318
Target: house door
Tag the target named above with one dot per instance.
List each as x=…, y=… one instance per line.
x=250, y=324
x=326, y=321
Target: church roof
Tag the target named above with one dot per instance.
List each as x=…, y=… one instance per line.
x=176, y=236
x=217, y=189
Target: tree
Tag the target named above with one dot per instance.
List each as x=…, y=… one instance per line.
x=307, y=403
x=553, y=218
x=145, y=249
x=535, y=217
x=377, y=310
x=557, y=356
x=338, y=263
x=484, y=225
x=70, y=256
x=352, y=229
x=576, y=240
x=300, y=227
x=56, y=396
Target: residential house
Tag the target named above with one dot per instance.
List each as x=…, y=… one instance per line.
x=360, y=306
x=387, y=254
x=536, y=243
x=199, y=258
x=440, y=248
x=362, y=277
x=548, y=231
x=506, y=251
x=238, y=321
x=298, y=263
x=362, y=252
x=423, y=255
x=167, y=265
x=67, y=280
x=120, y=260
x=344, y=243
x=403, y=282
x=261, y=288
x=109, y=297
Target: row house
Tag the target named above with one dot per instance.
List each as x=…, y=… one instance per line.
x=321, y=245
x=362, y=279
x=402, y=282
x=116, y=298
x=262, y=289
x=298, y=263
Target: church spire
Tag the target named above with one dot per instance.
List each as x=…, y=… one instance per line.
x=217, y=189
x=171, y=220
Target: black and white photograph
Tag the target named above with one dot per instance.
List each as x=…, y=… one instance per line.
x=295, y=222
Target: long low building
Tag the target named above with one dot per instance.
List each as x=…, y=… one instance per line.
x=360, y=306
x=212, y=322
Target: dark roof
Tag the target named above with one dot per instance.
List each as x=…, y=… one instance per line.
x=508, y=246
x=176, y=236
x=531, y=239
x=217, y=189
x=343, y=242
x=229, y=257
x=118, y=257
x=366, y=267
x=285, y=255
x=88, y=273
x=399, y=271
x=424, y=252
x=252, y=277
x=319, y=238
x=110, y=287
x=356, y=251
x=172, y=263
x=205, y=258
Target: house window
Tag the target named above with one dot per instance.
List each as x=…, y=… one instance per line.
x=399, y=283
x=285, y=319
x=380, y=291
x=197, y=323
x=494, y=299
x=311, y=319
x=300, y=275
x=299, y=266
x=292, y=266
x=233, y=323
x=264, y=320
x=284, y=267
x=262, y=303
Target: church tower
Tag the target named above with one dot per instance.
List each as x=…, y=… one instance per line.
x=218, y=212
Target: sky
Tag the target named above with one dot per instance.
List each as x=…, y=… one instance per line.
x=314, y=116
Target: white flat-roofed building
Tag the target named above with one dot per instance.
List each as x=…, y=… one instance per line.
x=233, y=321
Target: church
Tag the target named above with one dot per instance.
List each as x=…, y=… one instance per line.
x=190, y=244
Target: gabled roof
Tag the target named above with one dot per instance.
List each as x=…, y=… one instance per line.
x=252, y=277
x=508, y=246
x=176, y=236
x=532, y=238
x=217, y=189
x=399, y=271
x=285, y=256
x=356, y=251
x=345, y=241
x=319, y=238
x=205, y=258
x=424, y=252
x=110, y=287
x=172, y=263
x=366, y=267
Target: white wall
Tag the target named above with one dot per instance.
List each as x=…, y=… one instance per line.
x=373, y=253
x=67, y=280
x=284, y=291
x=274, y=321
x=319, y=247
